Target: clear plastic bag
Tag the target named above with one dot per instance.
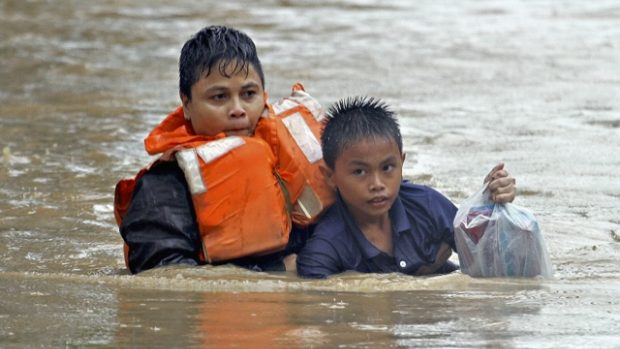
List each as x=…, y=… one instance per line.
x=499, y=240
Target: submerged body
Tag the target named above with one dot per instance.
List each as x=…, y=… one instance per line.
x=420, y=218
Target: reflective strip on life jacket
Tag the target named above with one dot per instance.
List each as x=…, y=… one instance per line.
x=301, y=115
x=299, y=97
x=188, y=160
x=239, y=205
x=305, y=139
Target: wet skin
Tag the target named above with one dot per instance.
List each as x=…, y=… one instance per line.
x=367, y=174
x=230, y=104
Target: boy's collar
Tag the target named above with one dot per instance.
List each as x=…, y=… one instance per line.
x=398, y=215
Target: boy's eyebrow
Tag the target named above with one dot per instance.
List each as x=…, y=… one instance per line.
x=358, y=163
x=218, y=88
x=390, y=158
x=250, y=84
x=364, y=163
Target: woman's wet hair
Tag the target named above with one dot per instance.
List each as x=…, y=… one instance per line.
x=354, y=119
x=216, y=47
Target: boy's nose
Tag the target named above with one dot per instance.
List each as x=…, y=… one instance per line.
x=376, y=182
x=237, y=110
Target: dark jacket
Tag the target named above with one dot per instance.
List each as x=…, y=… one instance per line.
x=160, y=226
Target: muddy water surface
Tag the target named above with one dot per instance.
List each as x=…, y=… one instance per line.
x=532, y=83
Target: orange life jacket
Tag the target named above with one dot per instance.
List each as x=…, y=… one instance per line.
x=299, y=151
x=243, y=188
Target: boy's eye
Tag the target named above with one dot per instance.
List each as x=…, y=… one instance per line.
x=249, y=94
x=218, y=97
x=358, y=172
x=388, y=168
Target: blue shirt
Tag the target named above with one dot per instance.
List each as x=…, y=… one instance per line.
x=421, y=220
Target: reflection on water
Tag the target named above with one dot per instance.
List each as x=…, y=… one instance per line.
x=474, y=83
x=116, y=312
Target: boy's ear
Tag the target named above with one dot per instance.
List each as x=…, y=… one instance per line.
x=184, y=99
x=185, y=102
x=328, y=173
x=403, y=156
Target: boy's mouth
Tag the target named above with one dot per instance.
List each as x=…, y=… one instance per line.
x=379, y=201
x=237, y=132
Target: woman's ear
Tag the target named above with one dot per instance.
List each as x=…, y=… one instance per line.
x=328, y=173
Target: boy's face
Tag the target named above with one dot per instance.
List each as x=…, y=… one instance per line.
x=225, y=104
x=368, y=174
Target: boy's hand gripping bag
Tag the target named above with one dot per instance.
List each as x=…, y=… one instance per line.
x=499, y=240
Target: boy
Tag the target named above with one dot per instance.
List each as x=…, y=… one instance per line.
x=219, y=193
x=379, y=222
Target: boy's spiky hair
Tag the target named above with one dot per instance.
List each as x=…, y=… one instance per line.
x=353, y=119
x=216, y=47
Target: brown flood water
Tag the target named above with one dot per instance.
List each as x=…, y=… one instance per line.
x=535, y=84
